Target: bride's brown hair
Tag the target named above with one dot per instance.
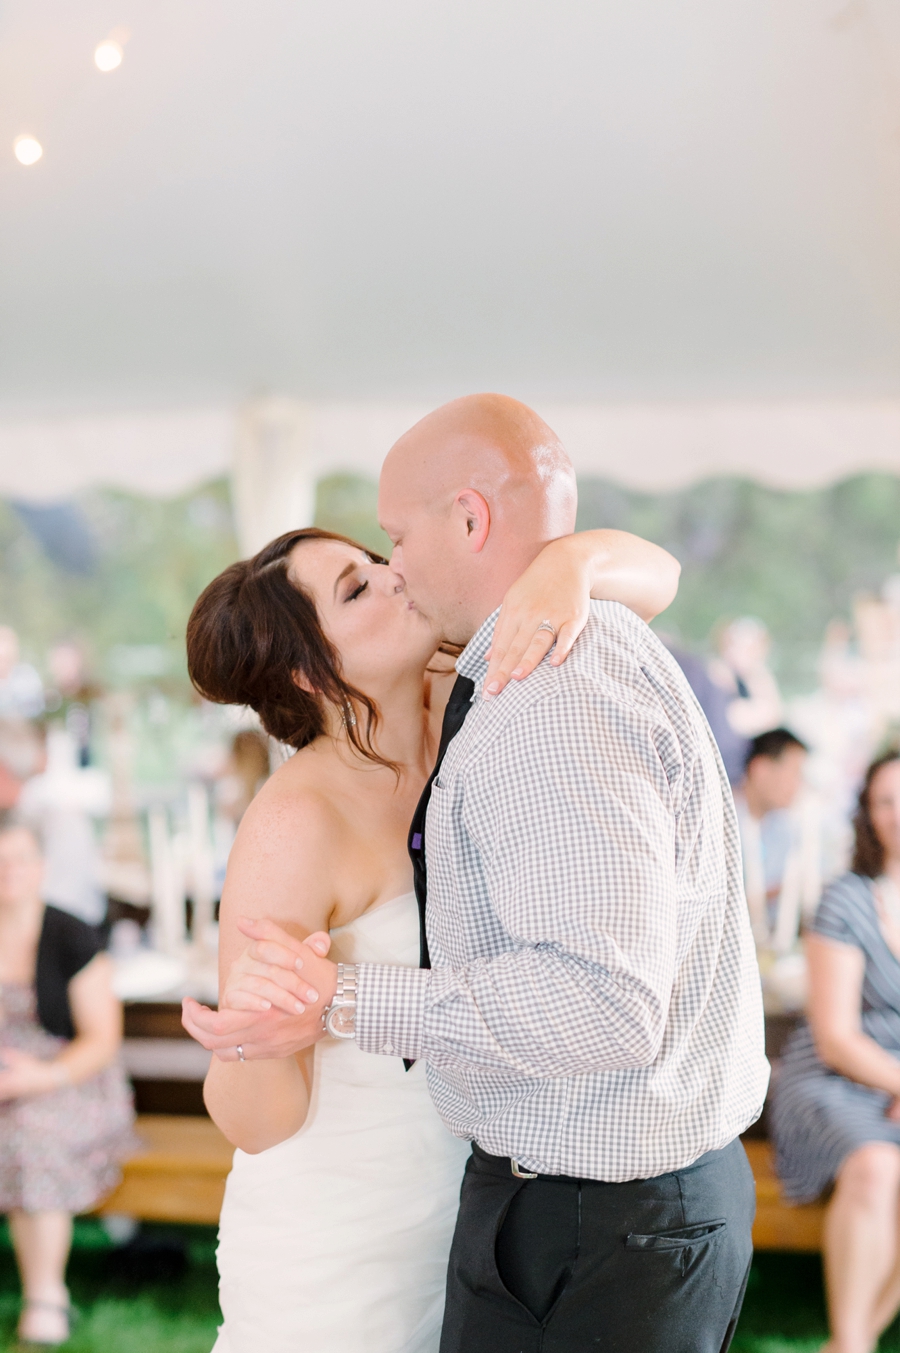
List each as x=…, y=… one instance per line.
x=252, y=629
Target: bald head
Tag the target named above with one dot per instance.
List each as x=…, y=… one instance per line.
x=496, y=445
x=469, y=496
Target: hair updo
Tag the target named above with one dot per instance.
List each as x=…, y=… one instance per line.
x=251, y=629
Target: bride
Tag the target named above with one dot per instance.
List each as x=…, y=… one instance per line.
x=341, y=1203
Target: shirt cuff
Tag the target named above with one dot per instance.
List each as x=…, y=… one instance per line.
x=390, y=1009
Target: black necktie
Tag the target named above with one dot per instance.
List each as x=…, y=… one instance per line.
x=454, y=717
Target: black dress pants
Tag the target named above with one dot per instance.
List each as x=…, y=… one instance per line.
x=558, y=1265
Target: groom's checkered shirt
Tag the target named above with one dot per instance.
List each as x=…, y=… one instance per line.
x=593, y=1008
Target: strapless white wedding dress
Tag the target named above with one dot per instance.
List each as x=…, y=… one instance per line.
x=336, y=1241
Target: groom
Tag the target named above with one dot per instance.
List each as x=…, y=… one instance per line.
x=591, y=1014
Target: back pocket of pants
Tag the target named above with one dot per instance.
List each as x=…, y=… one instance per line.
x=676, y=1239
x=681, y=1249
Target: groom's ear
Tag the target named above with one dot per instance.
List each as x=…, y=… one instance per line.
x=473, y=516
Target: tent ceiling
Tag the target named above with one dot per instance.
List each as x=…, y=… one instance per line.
x=279, y=447
x=573, y=200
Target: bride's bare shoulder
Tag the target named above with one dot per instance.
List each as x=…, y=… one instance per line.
x=292, y=816
x=282, y=863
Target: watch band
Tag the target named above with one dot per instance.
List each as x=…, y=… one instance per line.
x=340, y=1017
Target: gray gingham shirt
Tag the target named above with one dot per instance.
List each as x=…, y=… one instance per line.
x=593, y=1008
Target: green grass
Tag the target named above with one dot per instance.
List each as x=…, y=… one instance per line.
x=165, y=1316
x=784, y=1311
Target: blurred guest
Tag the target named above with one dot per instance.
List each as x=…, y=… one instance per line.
x=65, y=666
x=835, y=720
x=22, y=754
x=741, y=669
x=21, y=690
x=836, y=1106
x=714, y=701
x=781, y=848
x=65, y=1107
x=62, y=803
x=10, y=787
x=71, y=694
x=245, y=773
x=877, y=625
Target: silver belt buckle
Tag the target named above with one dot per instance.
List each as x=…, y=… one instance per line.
x=520, y=1174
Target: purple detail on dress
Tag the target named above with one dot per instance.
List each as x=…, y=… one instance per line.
x=417, y=841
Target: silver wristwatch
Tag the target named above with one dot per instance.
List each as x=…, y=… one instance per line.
x=340, y=1017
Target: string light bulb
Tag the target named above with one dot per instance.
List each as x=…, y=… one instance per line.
x=27, y=149
x=108, y=55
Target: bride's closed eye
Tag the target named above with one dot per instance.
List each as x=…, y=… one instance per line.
x=356, y=591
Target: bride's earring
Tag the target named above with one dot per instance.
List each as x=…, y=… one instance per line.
x=348, y=718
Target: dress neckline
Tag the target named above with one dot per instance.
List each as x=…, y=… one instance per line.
x=372, y=911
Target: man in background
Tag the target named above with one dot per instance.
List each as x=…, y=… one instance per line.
x=781, y=854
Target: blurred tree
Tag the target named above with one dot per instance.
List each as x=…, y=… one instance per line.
x=349, y=505
x=149, y=559
x=795, y=559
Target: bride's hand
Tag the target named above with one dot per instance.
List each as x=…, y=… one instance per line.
x=257, y=1021
x=557, y=588
x=266, y=974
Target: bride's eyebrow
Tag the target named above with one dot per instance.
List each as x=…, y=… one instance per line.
x=348, y=568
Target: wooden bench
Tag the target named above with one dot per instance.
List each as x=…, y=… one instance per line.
x=180, y=1176
x=780, y=1225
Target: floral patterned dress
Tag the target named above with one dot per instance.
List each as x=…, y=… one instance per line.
x=59, y=1151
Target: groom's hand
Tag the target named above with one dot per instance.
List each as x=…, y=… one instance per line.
x=273, y=999
x=278, y=970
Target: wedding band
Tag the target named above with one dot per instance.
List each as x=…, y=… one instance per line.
x=545, y=625
x=240, y=1052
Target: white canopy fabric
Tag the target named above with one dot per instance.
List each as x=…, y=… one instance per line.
x=159, y=454
x=277, y=449
x=582, y=202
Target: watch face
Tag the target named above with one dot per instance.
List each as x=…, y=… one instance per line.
x=341, y=1021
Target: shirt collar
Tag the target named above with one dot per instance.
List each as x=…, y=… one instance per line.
x=472, y=661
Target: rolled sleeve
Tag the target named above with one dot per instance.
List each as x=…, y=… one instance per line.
x=390, y=1009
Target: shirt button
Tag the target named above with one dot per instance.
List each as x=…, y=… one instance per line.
x=388, y=1048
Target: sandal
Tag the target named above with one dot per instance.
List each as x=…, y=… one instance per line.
x=67, y=1312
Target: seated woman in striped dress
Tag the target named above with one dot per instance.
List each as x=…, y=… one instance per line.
x=836, y=1105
